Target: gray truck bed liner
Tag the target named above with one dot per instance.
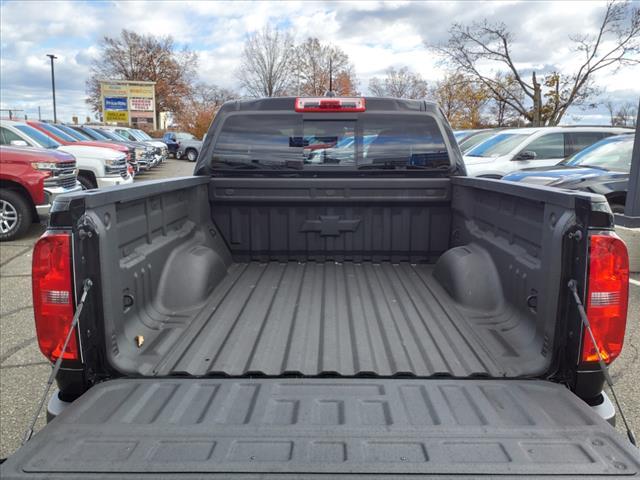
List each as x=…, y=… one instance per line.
x=186, y=428
x=328, y=318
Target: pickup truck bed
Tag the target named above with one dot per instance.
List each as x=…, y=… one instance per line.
x=222, y=277
x=308, y=428
x=340, y=318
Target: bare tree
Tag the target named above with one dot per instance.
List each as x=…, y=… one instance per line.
x=144, y=58
x=622, y=115
x=264, y=65
x=312, y=64
x=201, y=106
x=401, y=83
x=504, y=114
x=611, y=108
x=627, y=115
x=547, y=98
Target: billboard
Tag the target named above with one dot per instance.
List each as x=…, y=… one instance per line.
x=129, y=102
x=142, y=104
x=144, y=91
x=116, y=103
x=114, y=89
x=116, y=116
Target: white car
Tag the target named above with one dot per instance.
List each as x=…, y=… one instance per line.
x=515, y=149
x=97, y=166
x=136, y=135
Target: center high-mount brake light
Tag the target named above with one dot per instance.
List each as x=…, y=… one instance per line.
x=607, y=297
x=330, y=104
x=53, y=304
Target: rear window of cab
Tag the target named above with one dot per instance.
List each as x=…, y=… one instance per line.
x=291, y=141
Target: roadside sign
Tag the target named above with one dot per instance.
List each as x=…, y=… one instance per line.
x=116, y=116
x=142, y=91
x=141, y=104
x=114, y=89
x=128, y=101
x=116, y=103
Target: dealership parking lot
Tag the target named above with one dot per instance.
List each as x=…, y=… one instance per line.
x=23, y=371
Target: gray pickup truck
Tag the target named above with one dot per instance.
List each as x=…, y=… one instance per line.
x=189, y=148
x=372, y=315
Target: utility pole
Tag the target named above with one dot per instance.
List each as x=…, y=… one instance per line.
x=39, y=114
x=631, y=217
x=53, y=87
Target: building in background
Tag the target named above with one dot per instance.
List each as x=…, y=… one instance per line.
x=166, y=120
x=128, y=102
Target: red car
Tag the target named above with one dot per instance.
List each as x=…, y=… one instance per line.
x=30, y=179
x=65, y=139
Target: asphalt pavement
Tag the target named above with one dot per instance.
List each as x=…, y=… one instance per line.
x=24, y=371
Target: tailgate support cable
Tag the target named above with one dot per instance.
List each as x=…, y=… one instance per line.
x=86, y=286
x=603, y=366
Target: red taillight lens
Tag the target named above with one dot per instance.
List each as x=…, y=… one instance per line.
x=607, y=297
x=330, y=104
x=53, y=295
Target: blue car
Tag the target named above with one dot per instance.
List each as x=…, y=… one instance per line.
x=602, y=168
x=172, y=142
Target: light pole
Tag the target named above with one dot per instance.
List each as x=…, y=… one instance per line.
x=53, y=87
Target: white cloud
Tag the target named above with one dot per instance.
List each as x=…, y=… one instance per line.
x=374, y=34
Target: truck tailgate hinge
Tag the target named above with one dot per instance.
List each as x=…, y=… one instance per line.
x=86, y=227
x=576, y=235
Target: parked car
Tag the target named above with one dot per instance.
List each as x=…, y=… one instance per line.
x=461, y=135
x=148, y=138
x=134, y=134
x=515, y=149
x=157, y=154
x=173, y=139
x=270, y=318
x=97, y=166
x=30, y=180
x=185, y=145
x=65, y=138
x=149, y=150
x=602, y=168
x=341, y=152
x=476, y=138
x=182, y=144
x=144, y=153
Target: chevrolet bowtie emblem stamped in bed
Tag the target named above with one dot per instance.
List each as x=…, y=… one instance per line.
x=330, y=225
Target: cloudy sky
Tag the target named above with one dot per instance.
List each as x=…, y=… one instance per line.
x=376, y=35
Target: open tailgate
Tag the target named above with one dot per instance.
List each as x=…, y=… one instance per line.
x=189, y=428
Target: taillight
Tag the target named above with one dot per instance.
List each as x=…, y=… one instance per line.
x=53, y=295
x=330, y=104
x=607, y=297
